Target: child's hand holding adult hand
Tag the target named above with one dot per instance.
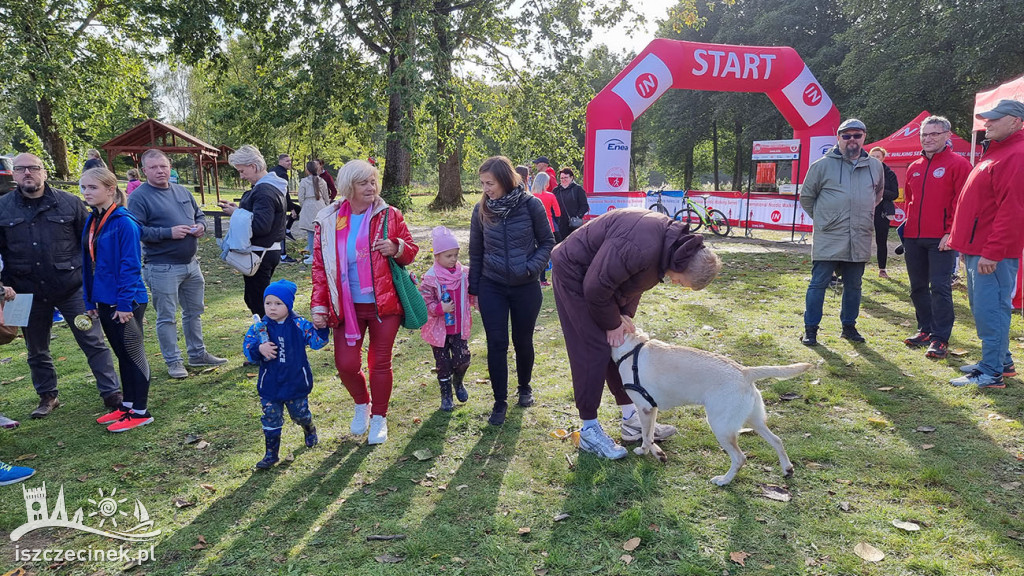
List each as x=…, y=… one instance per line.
x=268, y=350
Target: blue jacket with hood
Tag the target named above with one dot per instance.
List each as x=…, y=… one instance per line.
x=115, y=278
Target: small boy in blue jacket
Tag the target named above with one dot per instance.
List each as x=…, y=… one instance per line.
x=285, y=378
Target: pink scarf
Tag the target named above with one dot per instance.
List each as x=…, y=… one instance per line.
x=348, y=307
x=452, y=279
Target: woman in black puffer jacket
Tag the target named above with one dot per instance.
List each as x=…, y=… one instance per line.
x=510, y=242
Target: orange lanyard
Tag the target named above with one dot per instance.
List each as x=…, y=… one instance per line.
x=94, y=230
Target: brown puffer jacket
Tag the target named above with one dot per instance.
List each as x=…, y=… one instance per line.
x=616, y=257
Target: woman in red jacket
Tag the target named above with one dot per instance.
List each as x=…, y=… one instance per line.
x=353, y=292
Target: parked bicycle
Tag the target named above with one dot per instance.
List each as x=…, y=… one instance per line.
x=697, y=217
x=658, y=206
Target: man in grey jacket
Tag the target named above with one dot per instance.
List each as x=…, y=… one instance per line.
x=840, y=193
x=172, y=224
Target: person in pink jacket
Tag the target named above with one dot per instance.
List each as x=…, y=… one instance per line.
x=444, y=288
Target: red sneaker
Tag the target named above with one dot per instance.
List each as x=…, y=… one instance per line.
x=113, y=416
x=130, y=420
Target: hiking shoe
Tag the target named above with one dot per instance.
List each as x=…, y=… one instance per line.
x=378, y=430
x=47, y=403
x=632, y=430
x=595, y=441
x=360, y=419
x=14, y=474
x=287, y=259
x=130, y=420
x=6, y=422
x=919, y=339
x=57, y=316
x=207, y=359
x=882, y=273
x=810, y=336
x=177, y=370
x=980, y=380
x=850, y=333
x=1009, y=370
x=525, y=399
x=937, y=349
x=112, y=417
x=113, y=400
x=497, y=417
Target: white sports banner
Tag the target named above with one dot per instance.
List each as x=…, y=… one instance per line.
x=808, y=97
x=611, y=160
x=644, y=84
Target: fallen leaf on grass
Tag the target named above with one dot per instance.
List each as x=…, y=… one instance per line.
x=461, y=487
x=201, y=544
x=773, y=492
x=560, y=434
x=524, y=530
x=208, y=370
x=878, y=422
x=24, y=457
x=1011, y=485
x=202, y=445
x=631, y=544
x=388, y=559
x=119, y=467
x=925, y=429
x=540, y=571
x=251, y=374
x=868, y=552
x=191, y=439
x=560, y=517
x=575, y=437
x=844, y=506
x=7, y=360
x=626, y=559
x=884, y=388
x=182, y=503
x=482, y=381
x=208, y=487
x=83, y=478
x=739, y=557
x=423, y=454
x=927, y=446
x=958, y=352
x=789, y=396
x=908, y=526
x=16, y=572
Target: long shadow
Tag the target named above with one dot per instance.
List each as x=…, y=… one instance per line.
x=219, y=521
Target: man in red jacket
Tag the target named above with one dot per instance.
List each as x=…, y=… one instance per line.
x=987, y=230
x=934, y=182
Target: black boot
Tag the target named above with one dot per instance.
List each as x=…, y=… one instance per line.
x=497, y=417
x=446, y=394
x=310, y=431
x=810, y=336
x=460, y=390
x=525, y=396
x=273, y=438
x=850, y=333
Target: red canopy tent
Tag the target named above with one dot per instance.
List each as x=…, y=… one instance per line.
x=904, y=146
x=1014, y=90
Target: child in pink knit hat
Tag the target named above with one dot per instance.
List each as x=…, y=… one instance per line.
x=444, y=288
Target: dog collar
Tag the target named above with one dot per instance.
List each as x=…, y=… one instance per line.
x=635, y=384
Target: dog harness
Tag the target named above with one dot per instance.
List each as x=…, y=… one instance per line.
x=635, y=385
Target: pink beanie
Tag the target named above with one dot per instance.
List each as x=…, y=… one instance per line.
x=443, y=239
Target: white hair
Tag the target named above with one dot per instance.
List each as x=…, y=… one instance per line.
x=248, y=155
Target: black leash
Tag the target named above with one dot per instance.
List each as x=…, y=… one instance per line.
x=635, y=385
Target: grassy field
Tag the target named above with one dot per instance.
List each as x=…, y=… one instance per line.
x=875, y=431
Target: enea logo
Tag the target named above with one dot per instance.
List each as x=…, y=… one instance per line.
x=646, y=85
x=616, y=145
x=938, y=172
x=615, y=177
x=812, y=94
x=824, y=149
x=776, y=216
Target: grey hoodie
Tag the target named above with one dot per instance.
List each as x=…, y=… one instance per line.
x=841, y=196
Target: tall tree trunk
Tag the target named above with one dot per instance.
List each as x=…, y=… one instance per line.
x=54, y=143
x=449, y=144
x=688, y=169
x=401, y=124
x=737, y=170
x=714, y=150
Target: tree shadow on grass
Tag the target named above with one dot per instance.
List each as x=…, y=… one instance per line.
x=314, y=492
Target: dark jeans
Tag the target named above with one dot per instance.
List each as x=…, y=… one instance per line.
x=931, y=285
x=452, y=358
x=882, y=225
x=498, y=304
x=821, y=274
x=258, y=282
x=126, y=341
x=37, y=343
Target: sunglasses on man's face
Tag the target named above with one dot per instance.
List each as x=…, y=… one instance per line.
x=856, y=136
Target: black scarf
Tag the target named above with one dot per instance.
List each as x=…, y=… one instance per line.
x=504, y=205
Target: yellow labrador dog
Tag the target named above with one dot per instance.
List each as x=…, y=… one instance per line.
x=677, y=375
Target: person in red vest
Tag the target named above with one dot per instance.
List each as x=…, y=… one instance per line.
x=934, y=182
x=987, y=231
x=544, y=165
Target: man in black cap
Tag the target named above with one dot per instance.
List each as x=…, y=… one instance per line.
x=542, y=164
x=987, y=231
x=840, y=193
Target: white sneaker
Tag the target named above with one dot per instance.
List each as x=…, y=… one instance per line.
x=361, y=419
x=595, y=441
x=378, y=430
x=632, y=430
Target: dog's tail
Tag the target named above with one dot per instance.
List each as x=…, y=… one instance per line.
x=755, y=373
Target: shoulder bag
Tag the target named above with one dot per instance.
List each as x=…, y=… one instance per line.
x=414, y=308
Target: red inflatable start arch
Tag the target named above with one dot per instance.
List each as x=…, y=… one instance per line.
x=776, y=71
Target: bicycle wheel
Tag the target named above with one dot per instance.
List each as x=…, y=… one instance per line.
x=659, y=207
x=718, y=223
x=689, y=217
